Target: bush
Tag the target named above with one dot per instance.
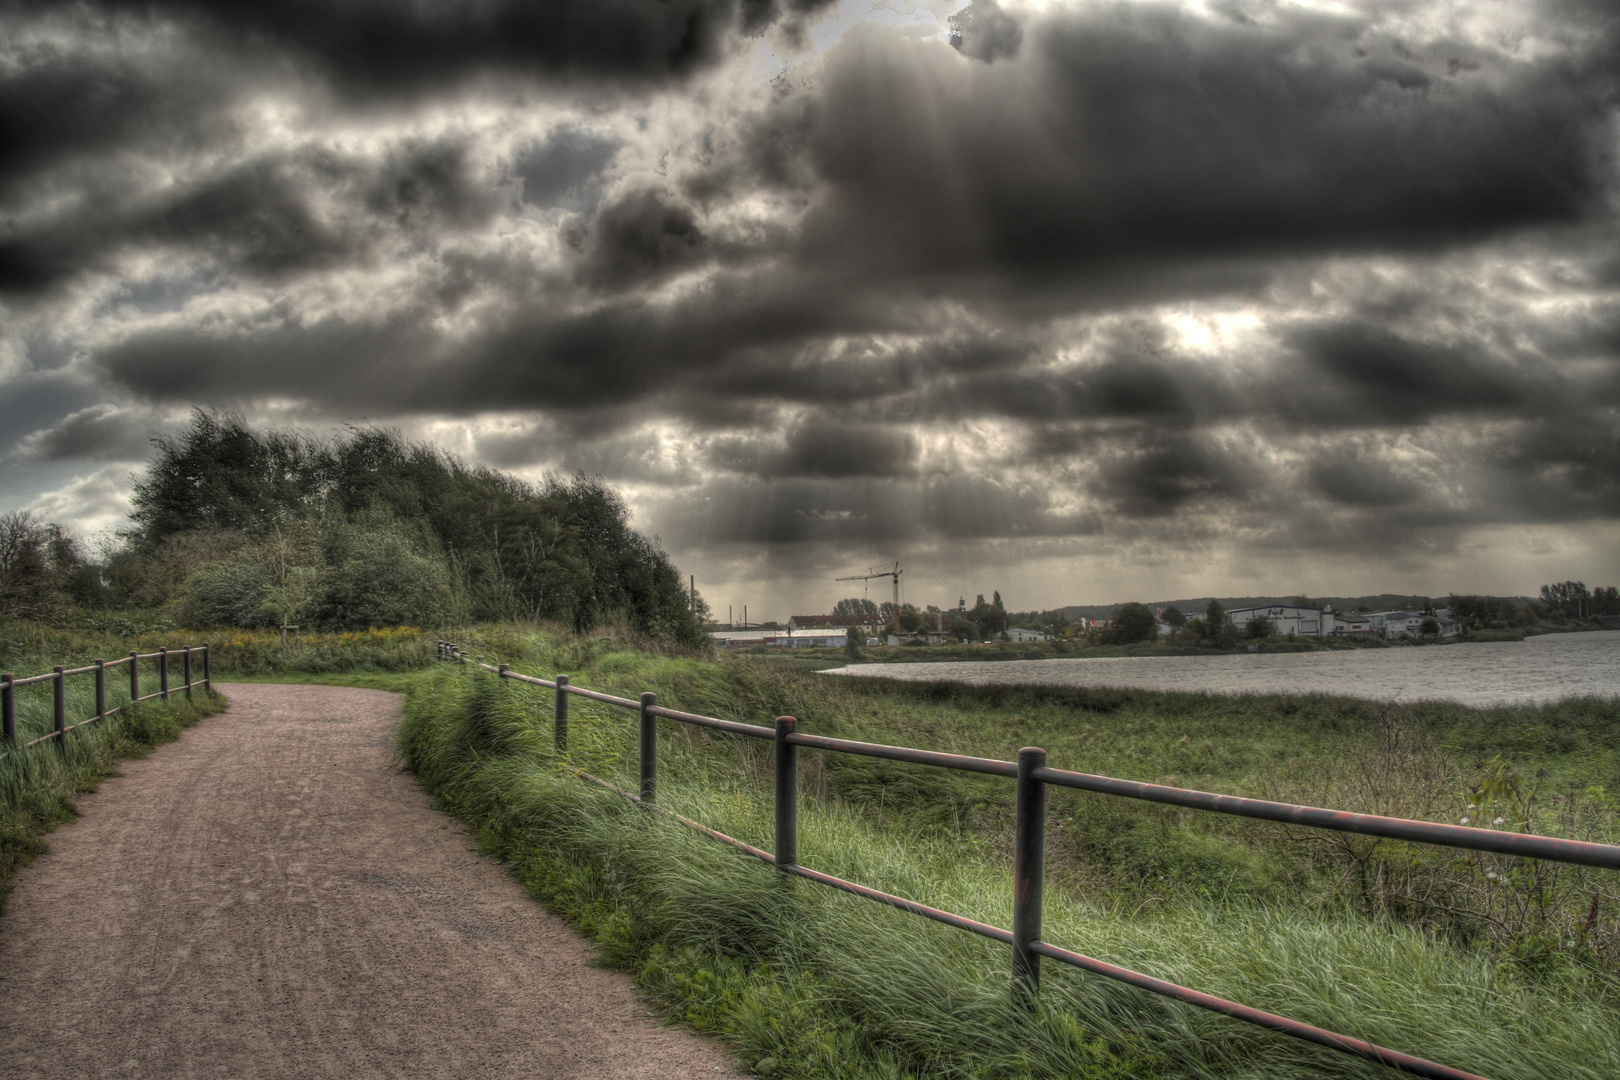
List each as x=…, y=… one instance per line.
x=227, y=594
x=380, y=578
x=1132, y=623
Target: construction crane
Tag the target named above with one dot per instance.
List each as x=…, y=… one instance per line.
x=870, y=574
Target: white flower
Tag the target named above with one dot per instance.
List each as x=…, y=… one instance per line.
x=1491, y=874
x=1464, y=821
x=1498, y=821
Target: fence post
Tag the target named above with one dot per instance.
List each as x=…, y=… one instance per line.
x=8, y=709
x=163, y=673
x=561, y=715
x=187, y=668
x=101, y=689
x=649, y=748
x=61, y=708
x=1029, y=858
x=134, y=676
x=787, y=794
x=208, y=683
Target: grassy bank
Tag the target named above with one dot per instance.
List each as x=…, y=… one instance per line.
x=807, y=982
x=30, y=648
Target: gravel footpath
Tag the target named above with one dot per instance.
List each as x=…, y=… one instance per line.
x=270, y=897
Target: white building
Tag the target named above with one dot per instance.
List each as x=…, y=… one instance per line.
x=1389, y=624
x=1289, y=621
x=830, y=637
x=1346, y=624
x=1019, y=634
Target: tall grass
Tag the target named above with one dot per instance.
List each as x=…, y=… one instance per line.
x=805, y=981
x=29, y=648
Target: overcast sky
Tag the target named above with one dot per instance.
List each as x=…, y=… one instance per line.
x=1090, y=302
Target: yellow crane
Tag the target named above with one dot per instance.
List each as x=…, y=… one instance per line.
x=895, y=573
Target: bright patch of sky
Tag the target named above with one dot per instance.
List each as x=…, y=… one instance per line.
x=830, y=29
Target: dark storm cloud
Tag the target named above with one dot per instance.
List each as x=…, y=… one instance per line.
x=296, y=212
x=58, y=101
x=821, y=447
x=100, y=431
x=1386, y=379
x=1132, y=134
x=641, y=238
x=843, y=512
x=1101, y=270
x=1355, y=481
x=376, y=48
x=1171, y=472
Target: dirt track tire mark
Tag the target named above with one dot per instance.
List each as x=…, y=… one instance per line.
x=271, y=898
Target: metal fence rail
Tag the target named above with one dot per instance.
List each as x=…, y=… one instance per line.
x=1032, y=776
x=59, y=675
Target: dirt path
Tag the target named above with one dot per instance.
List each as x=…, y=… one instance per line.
x=270, y=898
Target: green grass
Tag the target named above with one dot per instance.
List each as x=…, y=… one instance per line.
x=804, y=981
x=28, y=648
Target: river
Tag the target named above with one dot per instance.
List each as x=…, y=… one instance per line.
x=1538, y=669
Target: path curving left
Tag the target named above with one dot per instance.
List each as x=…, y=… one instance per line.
x=272, y=898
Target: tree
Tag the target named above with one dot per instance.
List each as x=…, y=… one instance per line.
x=560, y=550
x=964, y=629
x=1173, y=616
x=991, y=618
x=1567, y=598
x=1132, y=623
x=26, y=589
x=857, y=607
x=1216, y=629
x=1429, y=627
x=1260, y=627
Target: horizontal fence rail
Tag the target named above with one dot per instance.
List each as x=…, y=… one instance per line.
x=59, y=675
x=1032, y=776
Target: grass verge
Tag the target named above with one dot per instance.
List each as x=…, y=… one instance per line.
x=806, y=982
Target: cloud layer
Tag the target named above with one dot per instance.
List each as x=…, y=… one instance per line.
x=1113, y=285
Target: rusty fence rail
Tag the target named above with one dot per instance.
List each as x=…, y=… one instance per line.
x=1032, y=776
x=99, y=668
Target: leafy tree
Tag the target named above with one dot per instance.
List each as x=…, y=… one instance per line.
x=380, y=577
x=1429, y=627
x=964, y=629
x=1131, y=623
x=1260, y=627
x=1568, y=599
x=227, y=594
x=1172, y=615
x=991, y=618
x=506, y=548
x=1216, y=629
x=857, y=607
x=26, y=588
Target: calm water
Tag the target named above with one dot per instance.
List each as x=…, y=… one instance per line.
x=1538, y=669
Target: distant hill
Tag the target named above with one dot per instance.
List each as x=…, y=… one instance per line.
x=1381, y=602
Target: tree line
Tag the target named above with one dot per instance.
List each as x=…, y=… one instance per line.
x=244, y=527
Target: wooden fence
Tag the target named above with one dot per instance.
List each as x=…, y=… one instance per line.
x=59, y=676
